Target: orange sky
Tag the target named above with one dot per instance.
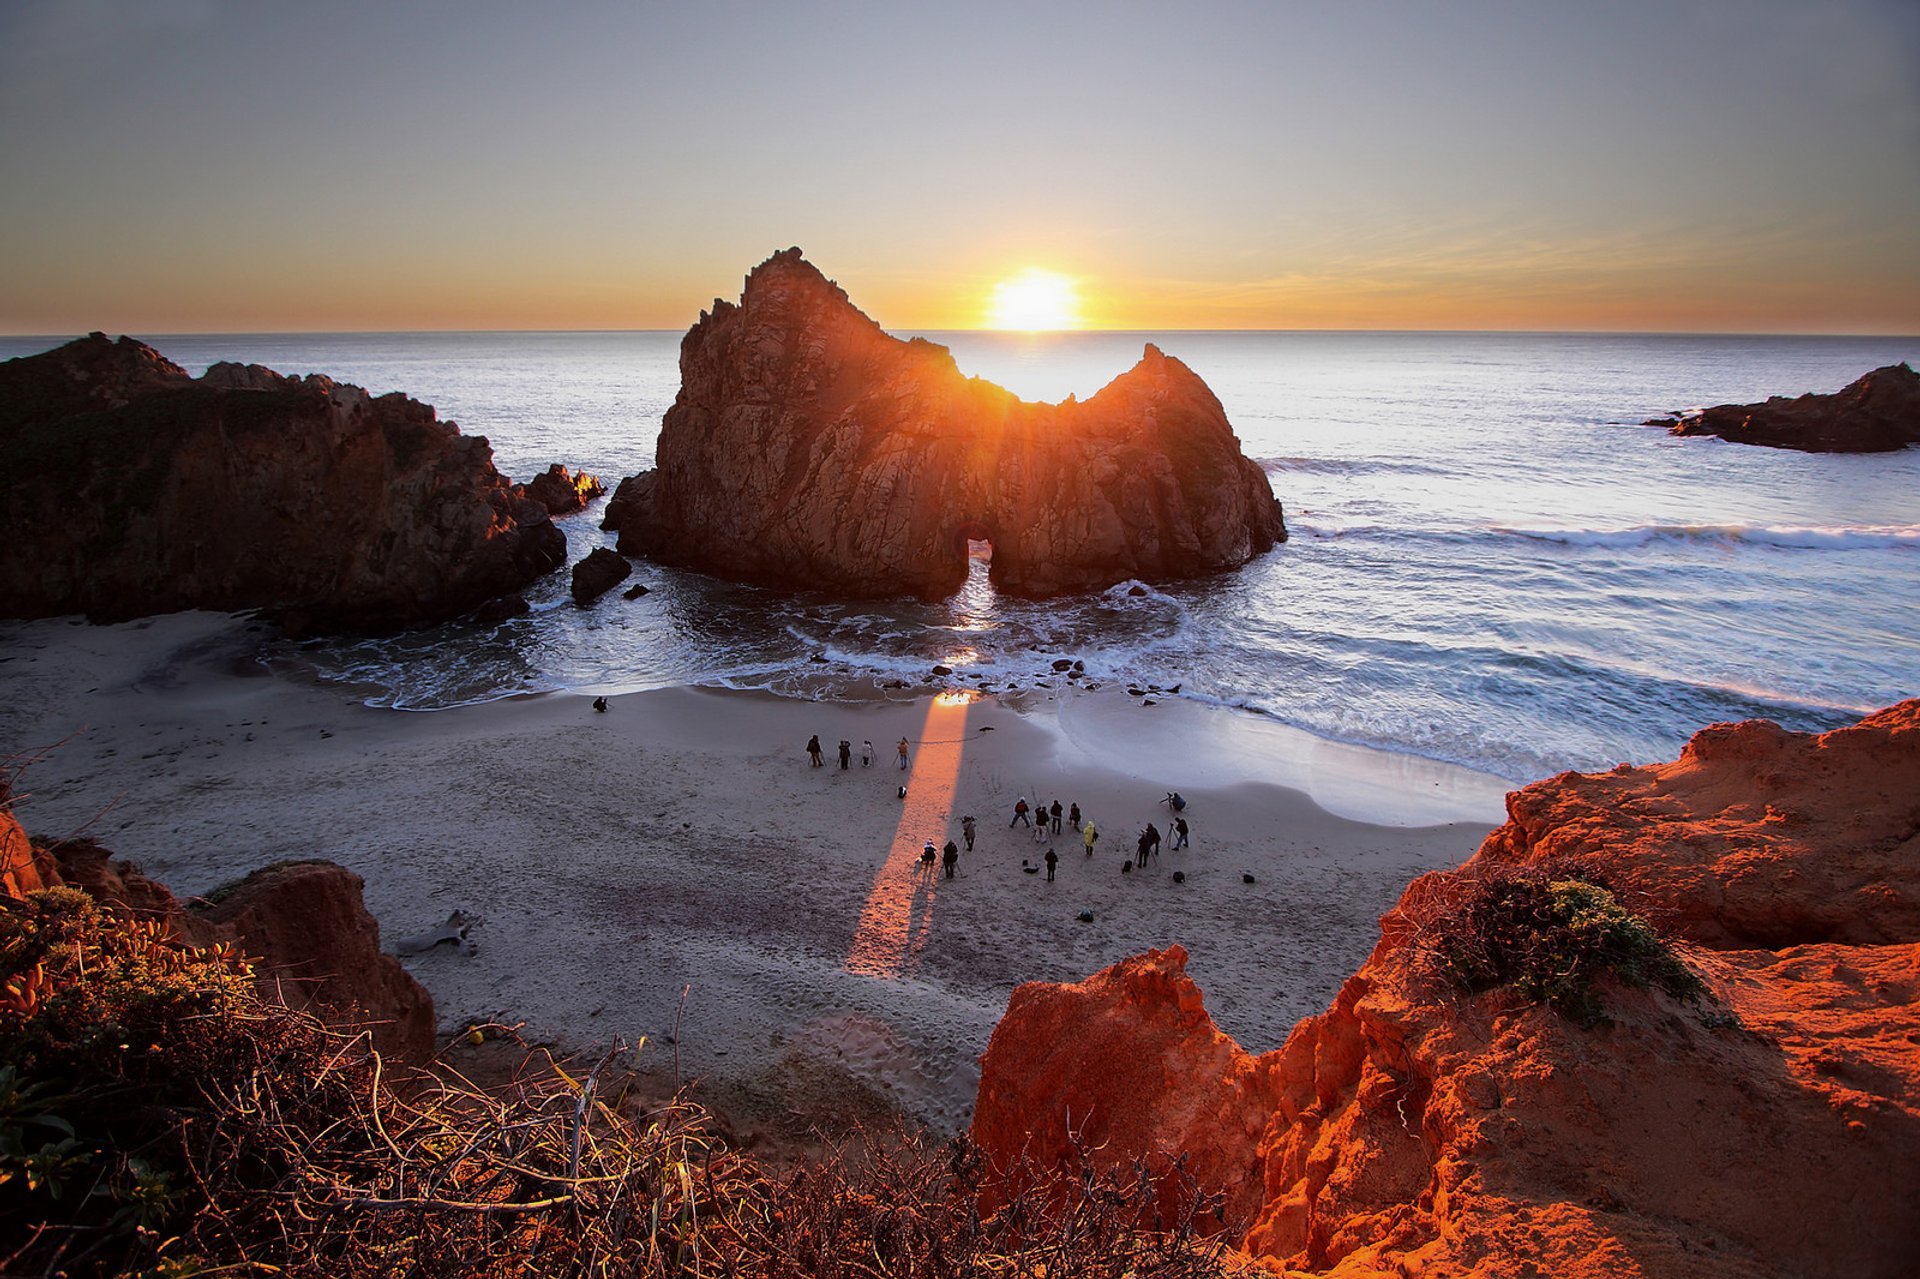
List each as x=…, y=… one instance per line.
x=1717, y=165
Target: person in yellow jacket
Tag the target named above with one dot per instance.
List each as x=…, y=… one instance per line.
x=1088, y=834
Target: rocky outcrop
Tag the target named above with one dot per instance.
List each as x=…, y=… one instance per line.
x=599, y=573
x=562, y=492
x=1770, y=1129
x=135, y=489
x=305, y=924
x=1878, y=413
x=807, y=448
x=1129, y=1053
x=320, y=949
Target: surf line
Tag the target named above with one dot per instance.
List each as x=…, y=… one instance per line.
x=898, y=915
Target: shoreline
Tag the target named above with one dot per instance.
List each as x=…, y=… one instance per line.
x=682, y=841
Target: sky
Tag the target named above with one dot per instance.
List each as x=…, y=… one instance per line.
x=199, y=166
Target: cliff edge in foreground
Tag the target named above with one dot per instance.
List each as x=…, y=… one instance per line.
x=1761, y=1120
x=808, y=448
x=133, y=488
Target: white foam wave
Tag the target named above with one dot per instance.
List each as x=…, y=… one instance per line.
x=1874, y=537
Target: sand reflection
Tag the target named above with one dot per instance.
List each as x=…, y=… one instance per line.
x=898, y=915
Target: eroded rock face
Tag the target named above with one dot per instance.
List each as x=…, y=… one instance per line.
x=320, y=948
x=1126, y=1056
x=1771, y=1130
x=305, y=923
x=134, y=489
x=807, y=448
x=1878, y=413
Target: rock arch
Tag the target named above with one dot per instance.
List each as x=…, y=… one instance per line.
x=808, y=448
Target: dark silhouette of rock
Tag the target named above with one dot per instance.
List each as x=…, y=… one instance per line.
x=1878, y=413
x=499, y=609
x=1418, y=1127
x=563, y=492
x=134, y=489
x=635, y=591
x=599, y=573
x=807, y=448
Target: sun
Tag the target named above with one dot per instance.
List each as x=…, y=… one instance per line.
x=1034, y=300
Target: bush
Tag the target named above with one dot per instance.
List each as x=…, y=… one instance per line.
x=1553, y=939
x=159, y=1117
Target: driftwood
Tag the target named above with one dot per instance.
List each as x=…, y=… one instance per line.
x=455, y=930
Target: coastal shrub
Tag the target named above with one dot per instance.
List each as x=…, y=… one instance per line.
x=160, y=1117
x=1553, y=938
x=106, y=1025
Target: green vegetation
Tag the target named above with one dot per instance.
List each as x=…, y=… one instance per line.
x=159, y=1117
x=1553, y=938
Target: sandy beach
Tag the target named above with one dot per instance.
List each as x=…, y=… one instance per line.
x=681, y=842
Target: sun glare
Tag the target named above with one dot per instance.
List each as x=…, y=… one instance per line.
x=1034, y=300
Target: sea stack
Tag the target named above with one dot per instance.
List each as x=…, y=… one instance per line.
x=808, y=448
x=1878, y=412
x=133, y=489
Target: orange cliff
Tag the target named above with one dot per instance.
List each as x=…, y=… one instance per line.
x=1769, y=1128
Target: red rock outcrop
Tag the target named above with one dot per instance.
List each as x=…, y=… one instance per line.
x=135, y=489
x=23, y=868
x=1877, y=413
x=1129, y=1051
x=305, y=924
x=1772, y=1129
x=808, y=448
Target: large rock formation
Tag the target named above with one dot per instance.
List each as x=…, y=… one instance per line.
x=134, y=489
x=305, y=924
x=807, y=448
x=1878, y=413
x=1771, y=1129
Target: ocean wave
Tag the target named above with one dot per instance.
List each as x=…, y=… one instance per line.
x=1874, y=537
x=1345, y=466
x=1866, y=537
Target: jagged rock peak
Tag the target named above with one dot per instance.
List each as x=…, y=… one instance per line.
x=809, y=448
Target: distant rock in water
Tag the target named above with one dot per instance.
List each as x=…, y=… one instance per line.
x=562, y=492
x=599, y=573
x=1441, y=1119
x=808, y=448
x=1879, y=413
x=133, y=488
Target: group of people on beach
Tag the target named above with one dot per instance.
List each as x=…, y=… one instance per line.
x=815, y=756
x=1044, y=820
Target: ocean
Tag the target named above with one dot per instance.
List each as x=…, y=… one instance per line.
x=1492, y=562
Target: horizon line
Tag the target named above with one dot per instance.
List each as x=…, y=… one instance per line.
x=1023, y=333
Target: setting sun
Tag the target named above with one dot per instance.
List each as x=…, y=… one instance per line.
x=1035, y=300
